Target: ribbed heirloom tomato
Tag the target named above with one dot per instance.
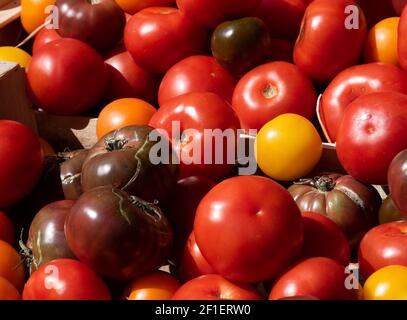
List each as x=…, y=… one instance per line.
x=248, y=228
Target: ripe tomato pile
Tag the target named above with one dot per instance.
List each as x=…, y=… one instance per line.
x=156, y=210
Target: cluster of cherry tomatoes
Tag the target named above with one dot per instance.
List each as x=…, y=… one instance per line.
x=101, y=222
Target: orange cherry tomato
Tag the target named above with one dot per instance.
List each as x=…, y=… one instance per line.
x=34, y=13
x=154, y=286
x=11, y=267
x=381, y=43
x=47, y=150
x=122, y=113
x=8, y=291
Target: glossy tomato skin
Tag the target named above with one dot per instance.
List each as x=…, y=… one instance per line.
x=123, y=158
x=131, y=7
x=65, y=279
x=71, y=173
x=353, y=83
x=388, y=283
x=372, y=132
x=383, y=246
x=171, y=37
x=352, y=205
x=8, y=291
x=235, y=210
x=33, y=13
x=322, y=58
x=323, y=238
x=283, y=17
x=185, y=199
x=397, y=179
x=196, y=112
x=6, y=229
x=210, y=13
x=133, y=236
x=126, y=79
x=193, y=264
x=43, y=37
x=157, y=285
x=319, y=277
x=242, y=44
x=389, y=212
x=11, y=266
x=97, y=23
x=21, y=161
x=66, y=77
x=215, y=287
x=271, y=90
x=46, y=237
x=196, y=74
x=402, y=45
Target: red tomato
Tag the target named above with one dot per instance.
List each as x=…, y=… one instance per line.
x=249, y=214
x=6, y=229
x=376, y=10
x=399, y=5
x=184, y=202
x=157, y=38
x=8, y=291
x=320, y=277
x=210, y=13
x=66, y=77
x=323, y=238
x=43, y=37
x=383, y=246
x=372, y=132
x=196, y=112
x=193, y=264
x=339, y=47
x=353, y=83
x=126, y=79
x=402, y=44
x=21, y=162
x=196, y=74
x=214, y=287
x=65, y=279
x=11, y=266
x=281, y=50
x=283, y=17
x=271, y=90
x=134, y=6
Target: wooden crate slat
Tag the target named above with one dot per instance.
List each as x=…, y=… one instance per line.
x=9, y=12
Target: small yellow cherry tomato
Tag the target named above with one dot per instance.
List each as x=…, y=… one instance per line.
x=13, y=54
x=288, y=147
x=388, y=283
x=381, y=42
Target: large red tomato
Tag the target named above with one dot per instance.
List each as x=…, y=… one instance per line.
x=214, y=287
x=383, y=246
x=372, y=132
x=353, y=83
x=21, y=162
x=66, y=77
x=65, y=279
x=327, y=44
x=319, y=277
x=271, y=90
x=159, y=37
x=126, y=79
x=196, y=73
x=402, y=43
x=210, y=13
x=195, y=112
x=283, y=17
x=6, y=229
x=240, y=226
x=323, y=238
x=193, y=264
x=185, y=199
x=43, y=37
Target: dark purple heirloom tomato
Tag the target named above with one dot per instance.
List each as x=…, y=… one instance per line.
x=397, y=178
x=71, y=173
x=118, y=235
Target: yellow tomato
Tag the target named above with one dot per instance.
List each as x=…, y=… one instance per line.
x=381, y=43
x=16, y=55
x=122, y=113
x=288, y=147
x=388, y=283
x=154, y=286
x=34, y=13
